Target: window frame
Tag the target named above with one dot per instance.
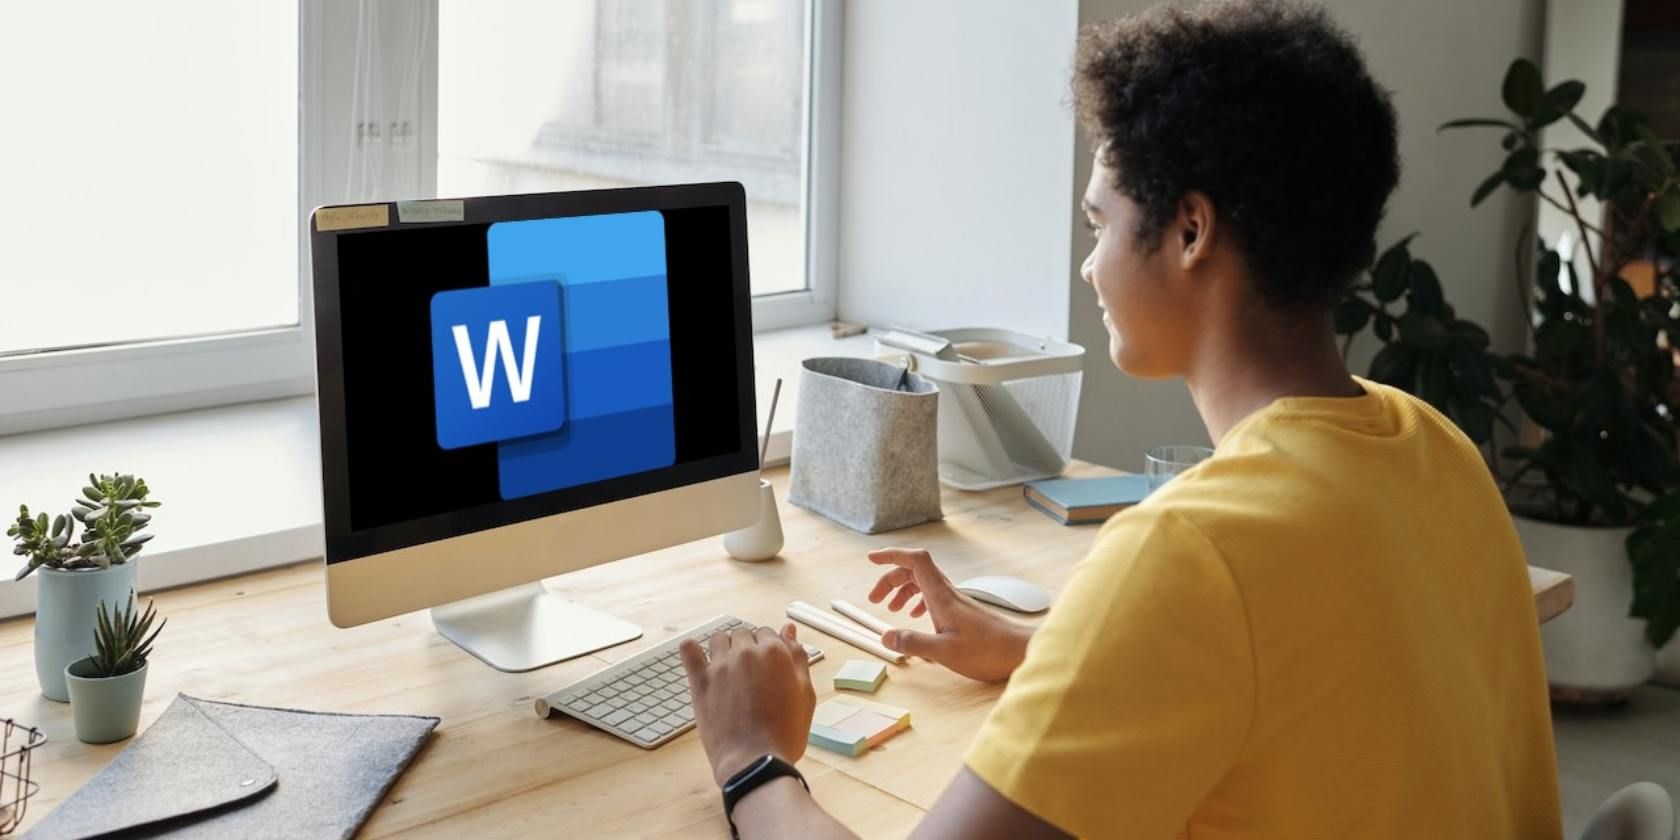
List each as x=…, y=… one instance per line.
x=101, y=383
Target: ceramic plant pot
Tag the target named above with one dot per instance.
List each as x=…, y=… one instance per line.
x=105, y=709
x=762, y=539
x=1595, y=653
x=65, y=605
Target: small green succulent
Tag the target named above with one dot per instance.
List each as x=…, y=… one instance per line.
x=112, y=513
x=120, y=642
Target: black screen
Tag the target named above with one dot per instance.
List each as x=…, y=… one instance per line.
x=394, y=470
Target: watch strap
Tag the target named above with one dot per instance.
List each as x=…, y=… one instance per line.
x=766, y=769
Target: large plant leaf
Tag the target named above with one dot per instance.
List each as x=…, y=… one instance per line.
x=1351, y=315
x=1486, y=187
x=1425, y=288
x=1654, y=550
x=1423, y=331
x=1523, y=91
x=1388, y=279
x=1668, y=210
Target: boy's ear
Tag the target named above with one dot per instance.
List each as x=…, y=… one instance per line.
x=1197, y=226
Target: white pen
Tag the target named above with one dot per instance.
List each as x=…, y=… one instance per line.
x=818, y=620
x=857, y=614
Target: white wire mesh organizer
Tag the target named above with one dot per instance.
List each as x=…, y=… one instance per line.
x=17, y=743
x=1007, y=401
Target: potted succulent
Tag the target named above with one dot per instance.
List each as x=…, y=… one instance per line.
x=107, y=687
x=75, y=575
x=1593, y=483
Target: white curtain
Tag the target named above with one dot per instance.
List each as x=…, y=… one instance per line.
x=384, y=126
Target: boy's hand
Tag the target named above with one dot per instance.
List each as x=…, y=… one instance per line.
x=753, y=696
x=967, y=638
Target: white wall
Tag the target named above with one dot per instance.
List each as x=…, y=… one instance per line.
x=1442, y=59
x=956, y=152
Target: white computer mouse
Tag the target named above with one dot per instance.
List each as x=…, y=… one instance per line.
x=1007, y=592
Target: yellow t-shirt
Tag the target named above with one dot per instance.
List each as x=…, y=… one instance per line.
x=1326, y=630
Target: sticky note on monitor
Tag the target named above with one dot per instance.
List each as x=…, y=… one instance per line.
x=859, y=675
x=851, y=725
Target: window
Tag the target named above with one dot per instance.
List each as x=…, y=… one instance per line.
x=536, y=96
x=157, y=206
x=151, y=201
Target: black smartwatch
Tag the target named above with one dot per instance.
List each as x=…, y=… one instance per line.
x=757, y=773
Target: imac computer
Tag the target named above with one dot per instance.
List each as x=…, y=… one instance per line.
x=513, y=387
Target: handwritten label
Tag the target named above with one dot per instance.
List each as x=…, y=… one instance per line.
x=357, y=216
x=443, y=210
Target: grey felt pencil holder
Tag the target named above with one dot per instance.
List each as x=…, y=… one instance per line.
x=864, y=447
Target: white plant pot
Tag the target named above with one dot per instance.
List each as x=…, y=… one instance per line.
x=761, y=540
x=1595, y=653
x=65, y=605
x=1668, y=663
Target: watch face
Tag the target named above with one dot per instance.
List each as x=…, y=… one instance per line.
x=748, y=772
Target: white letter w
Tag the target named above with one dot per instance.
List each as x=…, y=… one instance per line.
x=519, y=378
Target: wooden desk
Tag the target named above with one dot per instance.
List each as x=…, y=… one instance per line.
x=494, y=768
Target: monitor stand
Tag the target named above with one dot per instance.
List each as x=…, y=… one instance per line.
x=527, y=627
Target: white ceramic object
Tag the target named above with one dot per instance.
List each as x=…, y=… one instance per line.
x=761, y=540
x=1594, y=651
x=65, y=604
x=1668, y=663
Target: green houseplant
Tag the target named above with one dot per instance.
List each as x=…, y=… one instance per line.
x=78, y=571
x=1597, y=384
x=106, y=688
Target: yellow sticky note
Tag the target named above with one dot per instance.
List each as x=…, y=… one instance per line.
x=354, y=216
x=859, y=675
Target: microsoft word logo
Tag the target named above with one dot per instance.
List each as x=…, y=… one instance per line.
x=498, y=363
x=562, y=362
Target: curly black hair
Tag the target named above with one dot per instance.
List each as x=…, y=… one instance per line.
x=1266, y=107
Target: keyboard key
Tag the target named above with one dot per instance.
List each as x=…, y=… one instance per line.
x=648, y=734
x=644, y=719
x=672, y=720
x=660, y=727
x=592, y=698
x=670, y=705
x=579, y=705
x=636, y=708
x=616, y=718
x=617, y=702
x=599, y=710
x=685, y=713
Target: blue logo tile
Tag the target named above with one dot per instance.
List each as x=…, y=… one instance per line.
x=610, y=272
x=498, y=364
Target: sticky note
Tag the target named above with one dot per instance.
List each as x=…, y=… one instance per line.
x=859, y=675
x=852, y=726
x=355, y=216
x=435, y=210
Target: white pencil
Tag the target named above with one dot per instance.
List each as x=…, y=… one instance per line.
x=820, y=621
x=857, y=614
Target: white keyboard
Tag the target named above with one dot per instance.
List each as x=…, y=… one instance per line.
x=644, y=699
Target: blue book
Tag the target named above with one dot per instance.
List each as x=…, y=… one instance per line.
x=1078, y=501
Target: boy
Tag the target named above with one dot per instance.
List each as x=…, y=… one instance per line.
x=1326, y=629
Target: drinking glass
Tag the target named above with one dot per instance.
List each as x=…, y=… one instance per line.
x=1161, y=463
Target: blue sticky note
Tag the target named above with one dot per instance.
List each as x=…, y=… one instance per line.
x=498, y=364
x=611, y=275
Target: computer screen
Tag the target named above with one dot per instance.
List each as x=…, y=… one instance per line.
x=543, y=353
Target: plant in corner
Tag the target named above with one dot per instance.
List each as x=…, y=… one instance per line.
x=76, y=574
x=107, y=687
x=1595, y=486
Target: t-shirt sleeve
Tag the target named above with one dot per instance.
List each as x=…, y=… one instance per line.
x=1137, y=692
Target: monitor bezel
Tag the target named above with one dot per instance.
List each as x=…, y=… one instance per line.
x=343, y=544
